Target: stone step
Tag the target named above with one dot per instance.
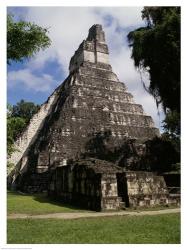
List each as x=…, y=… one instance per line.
x=122, y=204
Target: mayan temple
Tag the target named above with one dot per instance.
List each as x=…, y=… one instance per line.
x=76, y=146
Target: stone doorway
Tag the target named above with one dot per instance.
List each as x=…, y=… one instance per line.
x=122, y=188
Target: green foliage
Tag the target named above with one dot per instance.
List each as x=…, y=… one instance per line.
x=25, y=110
x=15, y=126
x=162, y=154
x=171, y=123
x=153, y=229
x=156, y=49
x=36, y=204
x=18, y=118
x=9, y=110
x=24, y=39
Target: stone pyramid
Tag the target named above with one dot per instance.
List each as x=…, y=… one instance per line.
x=90, y=114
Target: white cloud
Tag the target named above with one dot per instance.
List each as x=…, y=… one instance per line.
x=125, y=16
x=30, y=81
x=68, y=26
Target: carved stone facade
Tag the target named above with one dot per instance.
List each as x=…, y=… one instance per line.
x=145, y=189
x=91, y=114
x=89, y=183
x=100, y=185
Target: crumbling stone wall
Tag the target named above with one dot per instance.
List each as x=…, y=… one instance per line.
x=88, y=183
x=100, y=185
x=145, y=189
x=110, y=199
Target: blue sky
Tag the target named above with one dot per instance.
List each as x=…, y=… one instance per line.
x=35, y=79
x=20, y=91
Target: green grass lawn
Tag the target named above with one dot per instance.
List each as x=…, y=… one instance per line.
x=41, y=204
x=118, y=229
x=36, y=204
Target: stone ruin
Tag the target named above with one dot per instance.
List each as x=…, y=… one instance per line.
x=77, y=146
x=101, y=185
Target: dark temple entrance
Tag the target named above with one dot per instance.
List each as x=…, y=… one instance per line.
x=122, y=188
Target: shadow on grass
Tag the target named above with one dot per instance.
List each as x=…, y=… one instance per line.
x=45, y=199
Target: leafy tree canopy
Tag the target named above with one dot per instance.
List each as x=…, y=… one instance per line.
x=24, y=39
x=25, y=110
x=171, y=123
x=18, y=117
x=15, y=125
x=162, y=154
x=156, y=49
